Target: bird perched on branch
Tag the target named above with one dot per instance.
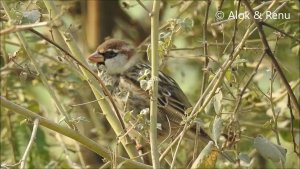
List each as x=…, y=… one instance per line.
x=129, y=83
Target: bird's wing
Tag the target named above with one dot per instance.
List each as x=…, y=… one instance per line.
x=171, y=98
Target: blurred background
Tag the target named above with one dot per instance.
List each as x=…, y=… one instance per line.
x=182, y=38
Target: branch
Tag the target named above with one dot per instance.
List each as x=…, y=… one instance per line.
x=292, y=128
x=154, y=79
x=30, y=143
x=16, y=28
x=239, y=101
x=113, y=118
x=143, y=6
x=105, y=90
x=273, y=59
x=88, y=143
x=211, y=88
x=42, y=76
x=205, y=49
x=278, y=30
x=205, y=72
x=88, y=74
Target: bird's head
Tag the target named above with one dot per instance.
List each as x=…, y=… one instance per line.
x=115, y=55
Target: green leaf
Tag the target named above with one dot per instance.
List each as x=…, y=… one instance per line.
x=127, y=116
x=228, y=75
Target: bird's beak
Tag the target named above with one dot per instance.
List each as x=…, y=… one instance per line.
x=96, y=58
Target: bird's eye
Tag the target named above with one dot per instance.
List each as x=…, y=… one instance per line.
x=110, y=54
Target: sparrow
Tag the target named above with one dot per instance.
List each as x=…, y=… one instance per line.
x=128, y=80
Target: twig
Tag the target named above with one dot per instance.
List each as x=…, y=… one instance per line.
x=30, y=143
x=154, y=79
x=292, y=129
x=269, y=7
x=211, y=88
x=38, y=69
x=81, y=104
x=106, y=165
x=275, y=114
x=235, y=29
x=205, y=49
x=164, y=26
x=281, y=96
x=177, y=148
x=66, y=153
x=90, y=144
x=105, y=90
x=105, y=107
x=239, y=101
x=11, y=139
x=221, y=5
x=278, y=30
x=273, y=59
x=255, y=8
x=205, y=72
x=143, y=6
x=260, y=125
x=16, y=28
x=8, y=166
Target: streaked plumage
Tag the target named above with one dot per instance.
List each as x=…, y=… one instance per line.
x=123, y=75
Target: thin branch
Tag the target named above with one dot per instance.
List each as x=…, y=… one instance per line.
x=211, y=88
x=66, y=153
x=16, y=28
x=88, y=143
x=263, y=4
x=112, y=117
x=154, y=79
x=275, y=11
x=176, y=150
x=105, y=90
x=205, y=49
x=143, y=6
x=42, y=76
x=205, y=72
x=292, y=129
x=165, y=25
x=278, y=30
x=261, y=125
x=273, y=59
x=10, y=137
x=103, y=104
x=281, y=94
x=82, y=104
x=30, y=143
x=274, y=113
x=239, y=101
